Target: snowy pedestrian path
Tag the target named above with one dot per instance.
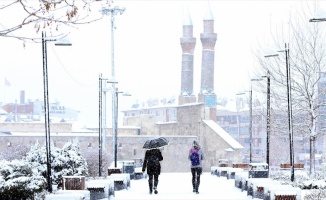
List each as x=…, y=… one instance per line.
x=178, y=186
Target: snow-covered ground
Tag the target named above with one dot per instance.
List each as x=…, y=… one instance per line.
x=178, y=186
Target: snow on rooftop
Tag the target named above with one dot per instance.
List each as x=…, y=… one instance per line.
x=54, y=134
x=223, y=134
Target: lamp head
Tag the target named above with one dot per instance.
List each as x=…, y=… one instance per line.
x=271, y=53
x=112, y=80
x=64, y=41
x=319, y=16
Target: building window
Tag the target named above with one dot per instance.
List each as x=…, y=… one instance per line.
x=244, y=130
x=256, y=142
x=135, y=152
x=256, y=130
x=244, y=119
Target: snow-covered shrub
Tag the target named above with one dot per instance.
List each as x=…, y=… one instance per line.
x=308, y=184
x=320, y=175
x=19, y=180
x=319, y=184
x=315, y=194
x=301, y=180
x=282, y=176
x=37, y=157
x=64, y=162
x=68, y=162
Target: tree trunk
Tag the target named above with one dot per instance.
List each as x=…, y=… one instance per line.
x=312, y=156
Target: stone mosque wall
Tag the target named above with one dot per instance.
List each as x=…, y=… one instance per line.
x=129, y=147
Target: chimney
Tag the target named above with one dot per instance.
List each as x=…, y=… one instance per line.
x=22, y=97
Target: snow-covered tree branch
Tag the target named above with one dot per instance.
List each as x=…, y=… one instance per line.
x=32, y=16
x=307, y=63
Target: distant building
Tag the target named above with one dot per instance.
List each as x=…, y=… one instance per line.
x=34, y=111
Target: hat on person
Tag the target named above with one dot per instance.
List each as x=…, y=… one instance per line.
x=195, y=144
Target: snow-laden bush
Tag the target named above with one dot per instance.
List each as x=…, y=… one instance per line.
x=301, y=179
x=282, y=176
x=19, y=180
x=68, y=162
x=315, y=194
x=64, y=162
x=320, y=175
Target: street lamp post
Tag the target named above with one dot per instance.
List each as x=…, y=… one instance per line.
x=102, y=121
x=250, y=123
x=238, y=120
x=115, y=119
x=288, y=84
x=112, y=12
x=268, y=122
x=250, y=126
x=268, y=111
x=46, y=112
x=100, y=127
x=46, y=104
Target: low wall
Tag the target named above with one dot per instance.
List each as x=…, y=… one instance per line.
x=129, y=147
x=34, y=127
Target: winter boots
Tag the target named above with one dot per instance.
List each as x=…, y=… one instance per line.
x=151, y=190
x=195, y=188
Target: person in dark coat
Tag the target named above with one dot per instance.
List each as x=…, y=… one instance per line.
x=196, y=167
x=152, y=163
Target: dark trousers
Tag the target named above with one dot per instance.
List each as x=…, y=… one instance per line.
x=150, y=181
x=196, y=172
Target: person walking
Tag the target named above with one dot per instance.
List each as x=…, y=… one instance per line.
x=152, y=163
x=196, y=155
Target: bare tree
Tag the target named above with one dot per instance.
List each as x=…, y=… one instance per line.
x=92, y=159
x=17, y=17
x=307, y=62
x=17, y=152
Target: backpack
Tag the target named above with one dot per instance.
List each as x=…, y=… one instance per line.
x=194, y=157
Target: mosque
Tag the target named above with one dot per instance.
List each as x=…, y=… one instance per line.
x=192, y=115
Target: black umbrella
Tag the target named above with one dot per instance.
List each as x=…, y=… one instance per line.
x=156, y=143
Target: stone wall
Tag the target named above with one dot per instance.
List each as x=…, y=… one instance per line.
x=146, y=122
x=167, y=128
x=34, y=127
x=129, y=147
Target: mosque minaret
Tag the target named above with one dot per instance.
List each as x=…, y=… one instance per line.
x=188, y=43
x=208, y=39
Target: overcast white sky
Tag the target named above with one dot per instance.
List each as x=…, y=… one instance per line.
x=147, y=53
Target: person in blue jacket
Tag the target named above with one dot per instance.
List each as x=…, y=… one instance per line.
x=196, y=155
